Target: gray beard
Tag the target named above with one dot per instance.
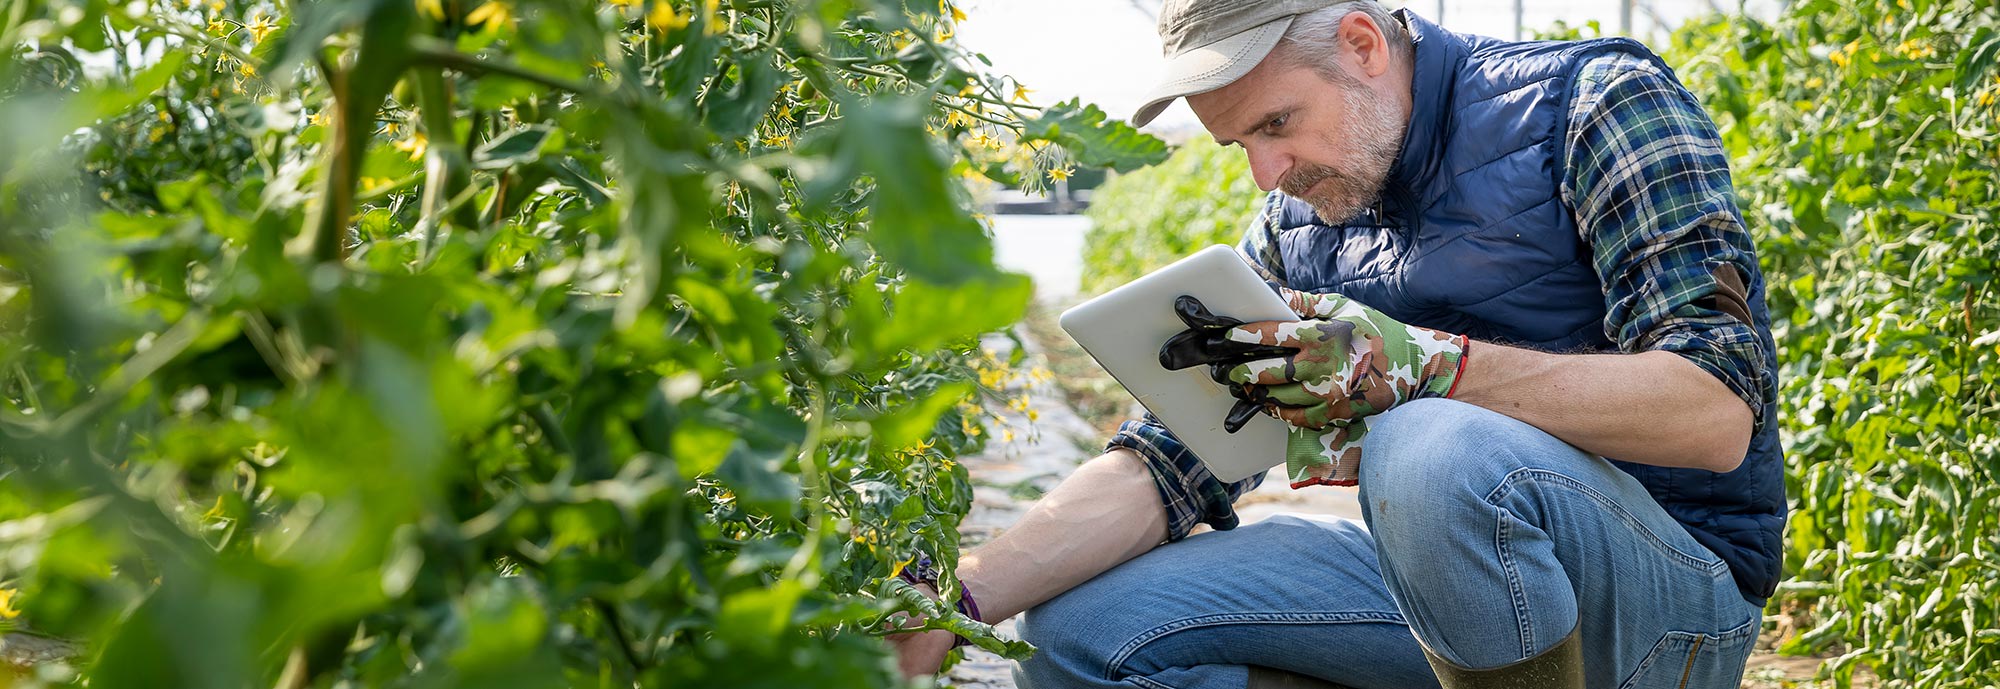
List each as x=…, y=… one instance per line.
x=1377, y=133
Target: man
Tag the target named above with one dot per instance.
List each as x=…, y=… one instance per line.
x=1554, y=222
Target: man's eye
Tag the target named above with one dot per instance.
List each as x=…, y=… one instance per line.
x=1277, y=122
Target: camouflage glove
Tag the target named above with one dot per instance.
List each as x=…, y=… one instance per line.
x=1328, y=456
x=1346, y=361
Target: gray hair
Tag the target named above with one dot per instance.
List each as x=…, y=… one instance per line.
x=1311, y=38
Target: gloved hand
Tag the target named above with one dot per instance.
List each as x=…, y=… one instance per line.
x=1339, y=338
x=1346, y=361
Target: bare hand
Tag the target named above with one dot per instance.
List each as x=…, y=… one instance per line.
x=920, y=653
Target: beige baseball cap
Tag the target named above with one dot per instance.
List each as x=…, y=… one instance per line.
x=1210, y=43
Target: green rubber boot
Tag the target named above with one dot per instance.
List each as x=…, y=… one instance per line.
x=1557, y=667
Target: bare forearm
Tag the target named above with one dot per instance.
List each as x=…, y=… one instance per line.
x=1102, y=515
x=1651, y=407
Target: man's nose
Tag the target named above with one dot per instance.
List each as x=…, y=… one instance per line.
x=1267, y=165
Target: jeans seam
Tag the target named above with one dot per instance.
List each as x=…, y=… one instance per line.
x=1523, y=619
x=1118, y=659
x=1507, y=485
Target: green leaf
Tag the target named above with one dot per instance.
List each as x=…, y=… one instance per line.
x=759, y=479
x=1095, y=140
x=518, y=147
x=735, y=113
x=915, y=222
x=1975, y=63
x=927, y=315
x=912, y=422
x=757, y=619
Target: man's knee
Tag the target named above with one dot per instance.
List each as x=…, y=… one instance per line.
x=1433, y=452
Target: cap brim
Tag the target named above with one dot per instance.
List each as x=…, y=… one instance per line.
x=1211, y=67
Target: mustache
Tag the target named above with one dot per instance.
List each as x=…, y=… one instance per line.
x=1299, y=179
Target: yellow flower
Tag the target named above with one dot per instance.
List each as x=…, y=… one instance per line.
x=415, y=145
x=992, y=377
x=778, y=140
x=154, y=134
x=1034, y=415
x=1007, y=435
x=432, y=8
x=709, y=8
x=218, y=27
x=260, y=27
x=492, y=15
x=944, y=33
x=1057, y=174
x=1021, y=93
x=389, y=129
x=664, y=18
x=318, y=118
x=898, y=570
x=7, y=610
x=216, y=5
x=900, y=38
x=1986, y=99
x=945, y=8
x=1815, y=82
x=955, y=118
x=247, y=69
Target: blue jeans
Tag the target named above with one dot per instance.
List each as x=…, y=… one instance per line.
x=1486, y=538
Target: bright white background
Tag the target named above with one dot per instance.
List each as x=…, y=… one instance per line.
x=1106, y=51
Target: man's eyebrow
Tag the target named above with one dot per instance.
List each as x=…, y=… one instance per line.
x=1260, y=122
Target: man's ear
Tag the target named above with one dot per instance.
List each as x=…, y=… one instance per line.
x=1364, y=42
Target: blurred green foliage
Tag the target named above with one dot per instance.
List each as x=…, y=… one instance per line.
x=495, y=343
x=1865, y=153
x=1140, y=221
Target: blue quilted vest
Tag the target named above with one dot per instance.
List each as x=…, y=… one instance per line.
x=1472, y=236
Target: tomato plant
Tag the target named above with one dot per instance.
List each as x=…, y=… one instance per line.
x=497, y=343
x=1865, y=154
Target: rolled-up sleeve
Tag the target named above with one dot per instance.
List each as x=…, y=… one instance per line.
x=1189, y=492
x=1648, y=179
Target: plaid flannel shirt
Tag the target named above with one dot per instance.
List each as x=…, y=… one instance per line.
x=1648, y=184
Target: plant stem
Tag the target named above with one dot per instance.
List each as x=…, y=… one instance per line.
x=615, y=623
x=431, y=53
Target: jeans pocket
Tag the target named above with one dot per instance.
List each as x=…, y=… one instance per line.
x=1696, y=660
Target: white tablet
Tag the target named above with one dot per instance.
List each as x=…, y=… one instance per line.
x=1124, y=328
